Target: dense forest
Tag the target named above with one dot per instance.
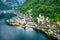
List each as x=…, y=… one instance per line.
x=48, y=8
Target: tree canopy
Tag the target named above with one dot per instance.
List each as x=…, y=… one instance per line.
x=48, y=8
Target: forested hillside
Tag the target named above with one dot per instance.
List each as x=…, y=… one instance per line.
x=48, y=8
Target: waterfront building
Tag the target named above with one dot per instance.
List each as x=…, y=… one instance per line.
x=40, y=18
x=58, y=22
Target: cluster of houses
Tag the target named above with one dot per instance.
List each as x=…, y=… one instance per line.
x=51, y=27
x=26, y=21
x=22, y=19
x=45, y=21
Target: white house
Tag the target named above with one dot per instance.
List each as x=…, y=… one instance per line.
x=22, y=21
x=40, y=18
x=47, y=19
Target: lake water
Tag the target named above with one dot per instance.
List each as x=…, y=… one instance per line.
x=16, y=33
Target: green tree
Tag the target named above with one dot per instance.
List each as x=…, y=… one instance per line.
x=48, y=8
x=58, y=27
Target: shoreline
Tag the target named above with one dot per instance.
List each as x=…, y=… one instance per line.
x=47, y=35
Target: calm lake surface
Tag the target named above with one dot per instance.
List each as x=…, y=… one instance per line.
x=16, y=33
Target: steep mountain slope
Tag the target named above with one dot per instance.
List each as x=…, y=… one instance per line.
x=9, y=4
x=48, y=8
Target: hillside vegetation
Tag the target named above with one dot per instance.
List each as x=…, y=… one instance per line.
x=48, y=8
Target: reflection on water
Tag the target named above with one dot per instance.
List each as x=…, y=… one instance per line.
x=13, y=32
x=16, y=33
